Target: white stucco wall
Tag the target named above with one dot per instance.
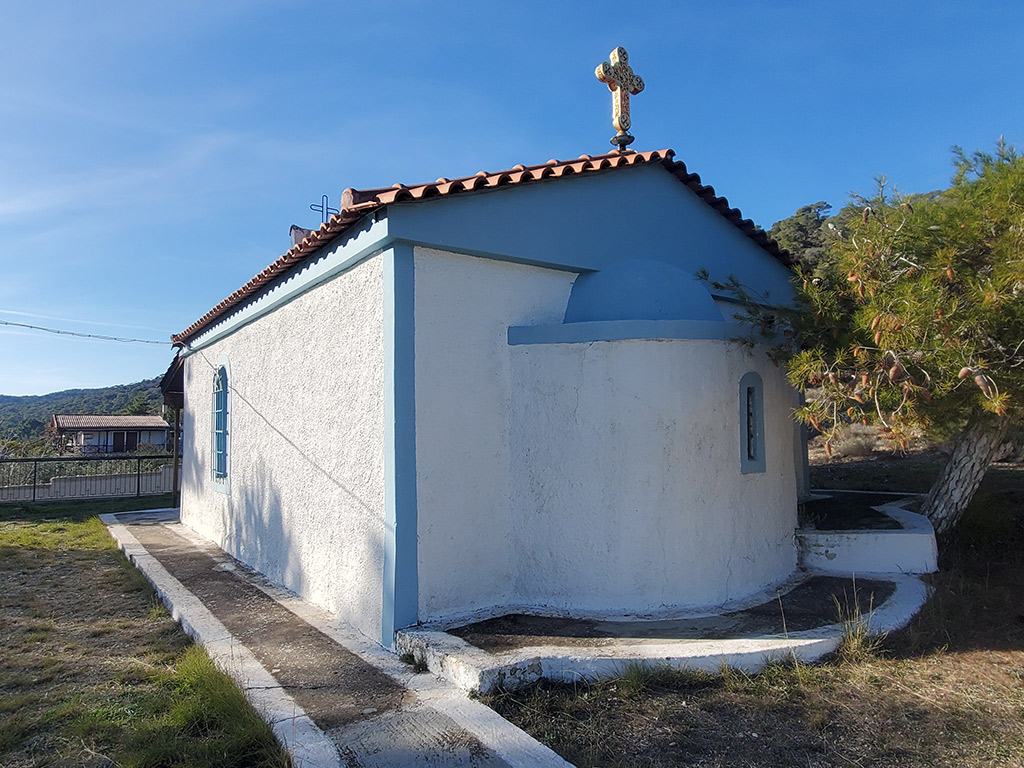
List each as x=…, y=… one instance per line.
x=598, y=477
x=306, y=466
x=627, y=493
x=463, y=307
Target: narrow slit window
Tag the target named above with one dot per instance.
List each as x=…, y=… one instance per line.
x=220, y=424
x=752, y=458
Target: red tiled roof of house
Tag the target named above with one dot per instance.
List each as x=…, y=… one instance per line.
x=64, y=421
x=357, y=203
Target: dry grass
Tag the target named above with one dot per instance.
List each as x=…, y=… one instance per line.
x=93, y=671
x=857, y=440
x=947, y=691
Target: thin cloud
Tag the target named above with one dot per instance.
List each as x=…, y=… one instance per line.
x=114, y=186
x=38, y=316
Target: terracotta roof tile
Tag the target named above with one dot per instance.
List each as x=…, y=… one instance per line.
x=96, y=421
x=356, y=203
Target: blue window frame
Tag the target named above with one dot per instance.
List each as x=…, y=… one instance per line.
x=220, y=424
x=752, y=457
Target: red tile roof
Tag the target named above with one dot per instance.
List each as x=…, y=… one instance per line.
x=94, y=421
x=356, y=203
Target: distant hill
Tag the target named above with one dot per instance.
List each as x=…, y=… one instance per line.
x=25, y=417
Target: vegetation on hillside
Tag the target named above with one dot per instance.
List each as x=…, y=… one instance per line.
x=23, y=419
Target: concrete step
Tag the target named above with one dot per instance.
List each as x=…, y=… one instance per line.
x=800, y=622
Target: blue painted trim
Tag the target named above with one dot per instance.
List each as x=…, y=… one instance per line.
x=400, y=603
x=742, y=302
x=222, y=484
x=369, y=240
x=361, y=242
x=558, y=266
x=751, y=395
x=618, y=330
x=677, y=226
x=568, y=223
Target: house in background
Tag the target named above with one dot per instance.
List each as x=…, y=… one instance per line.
x=94, y=433
x=504, y=393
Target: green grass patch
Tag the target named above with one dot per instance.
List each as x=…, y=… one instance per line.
x=79, y=511
x=94, y=671
x=190, y=715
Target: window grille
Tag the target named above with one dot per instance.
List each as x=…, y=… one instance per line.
x=220, y=424
x=752, y=458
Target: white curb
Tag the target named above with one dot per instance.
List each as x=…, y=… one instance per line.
x=309, y=746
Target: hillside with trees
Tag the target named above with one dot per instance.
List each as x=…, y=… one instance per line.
x=23, y=419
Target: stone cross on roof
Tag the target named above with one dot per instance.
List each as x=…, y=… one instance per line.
x=622, y=83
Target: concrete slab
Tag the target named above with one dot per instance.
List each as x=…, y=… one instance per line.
x=152, y=516
x=333, y=699
x=515, y=651
x=307, y=743
x=808, y=605
x=905, y=544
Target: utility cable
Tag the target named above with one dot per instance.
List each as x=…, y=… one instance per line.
x=83, y=335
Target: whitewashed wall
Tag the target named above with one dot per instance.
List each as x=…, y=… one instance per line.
x=306, y=501
x=626, y=488
x=464, y=306
x=601, y=477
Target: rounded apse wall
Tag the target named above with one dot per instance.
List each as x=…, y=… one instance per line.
x=627, y=489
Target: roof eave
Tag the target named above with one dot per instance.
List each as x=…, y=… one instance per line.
x=355, y=204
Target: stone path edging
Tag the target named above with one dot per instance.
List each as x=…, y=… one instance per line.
x=308, y=745
x=510, y=743
x=473, y=669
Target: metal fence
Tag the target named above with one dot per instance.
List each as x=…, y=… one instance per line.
x=85, y=477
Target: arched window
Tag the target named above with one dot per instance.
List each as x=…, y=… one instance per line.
x=220, y=424
x=751, y=424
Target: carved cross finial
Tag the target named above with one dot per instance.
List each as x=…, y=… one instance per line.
x=622, y=83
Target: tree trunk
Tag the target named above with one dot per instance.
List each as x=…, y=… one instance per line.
x=973, y=450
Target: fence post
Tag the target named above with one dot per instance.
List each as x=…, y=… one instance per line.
x=176, y=471
x=35, y=468
x=138, y=477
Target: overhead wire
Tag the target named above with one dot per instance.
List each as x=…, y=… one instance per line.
x=101, y=337
x=363, y=507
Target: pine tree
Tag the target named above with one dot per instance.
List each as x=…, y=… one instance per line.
x=139, y=406
x=914, y=320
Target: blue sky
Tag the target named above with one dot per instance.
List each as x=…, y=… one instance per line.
x=153, y=156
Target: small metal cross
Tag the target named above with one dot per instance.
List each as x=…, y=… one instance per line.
x=324, y=208
x=622, y=83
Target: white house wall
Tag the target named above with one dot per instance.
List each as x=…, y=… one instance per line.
x=305, y=500
x=463, y=307
x=627, y=493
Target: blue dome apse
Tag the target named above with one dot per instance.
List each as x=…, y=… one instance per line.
x=640, y=289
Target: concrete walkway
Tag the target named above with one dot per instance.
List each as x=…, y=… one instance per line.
x=336, y=698
x=333, y=697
